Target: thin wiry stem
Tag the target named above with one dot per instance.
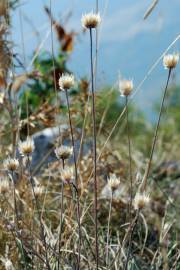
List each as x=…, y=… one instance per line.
x=151, y=69
x=145, y=178
x=22, y=37
x=83, y=132
x=133, y=226
x=32, y=236
x=130, y=158
x=86, y=106
x=96, y=58
x=15, y=202
x=76, y=179
x=72, y=139
x=94, y=151
x=26, y=244
x=41, y=226
x=79, y=222
x=54, y=71
x=61, y=216
x=108, y=229
x=39, y=216
x=53, y=58
x=17, y=219
x=24, y=65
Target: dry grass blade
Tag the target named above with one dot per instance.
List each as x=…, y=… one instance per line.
x=5, y=56
x=150, y=9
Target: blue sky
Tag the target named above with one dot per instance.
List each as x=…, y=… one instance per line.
x=128, y=45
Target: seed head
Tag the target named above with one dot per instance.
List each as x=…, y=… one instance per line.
x=113, y=182
x=66, y=81
x=27, y=147
x=90, y=20
x=63, y=152
x=125, y=87
x=7, y=264
x=67, y=175
x=141, y=200
x=38, y=190
x=4, y=185
x=11, y=164
x=170, y=60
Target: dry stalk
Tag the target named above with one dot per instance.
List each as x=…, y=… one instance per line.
x=108, y=230
x=94, y=150
x=146, y=175
x=76, y=179
x=133, y=226
x=43, y=237
x=61, y=216
x=130, y=158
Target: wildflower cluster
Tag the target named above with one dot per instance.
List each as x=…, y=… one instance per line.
x=48, y=243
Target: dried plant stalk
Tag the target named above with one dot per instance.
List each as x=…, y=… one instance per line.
x=75, y=186
x=145, y=178
x=94, y=151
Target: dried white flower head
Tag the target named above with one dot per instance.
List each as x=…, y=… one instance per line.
x=67, y=175
x=125, y=87
x=63, y=152
x=11, y=164
x=38, y=190
x=170, y=60
x=4, y=185
x=66, y=81
x=27, y=147
x=7, y=264
x=113, y=182
x=90, y=20
x=141, y=200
